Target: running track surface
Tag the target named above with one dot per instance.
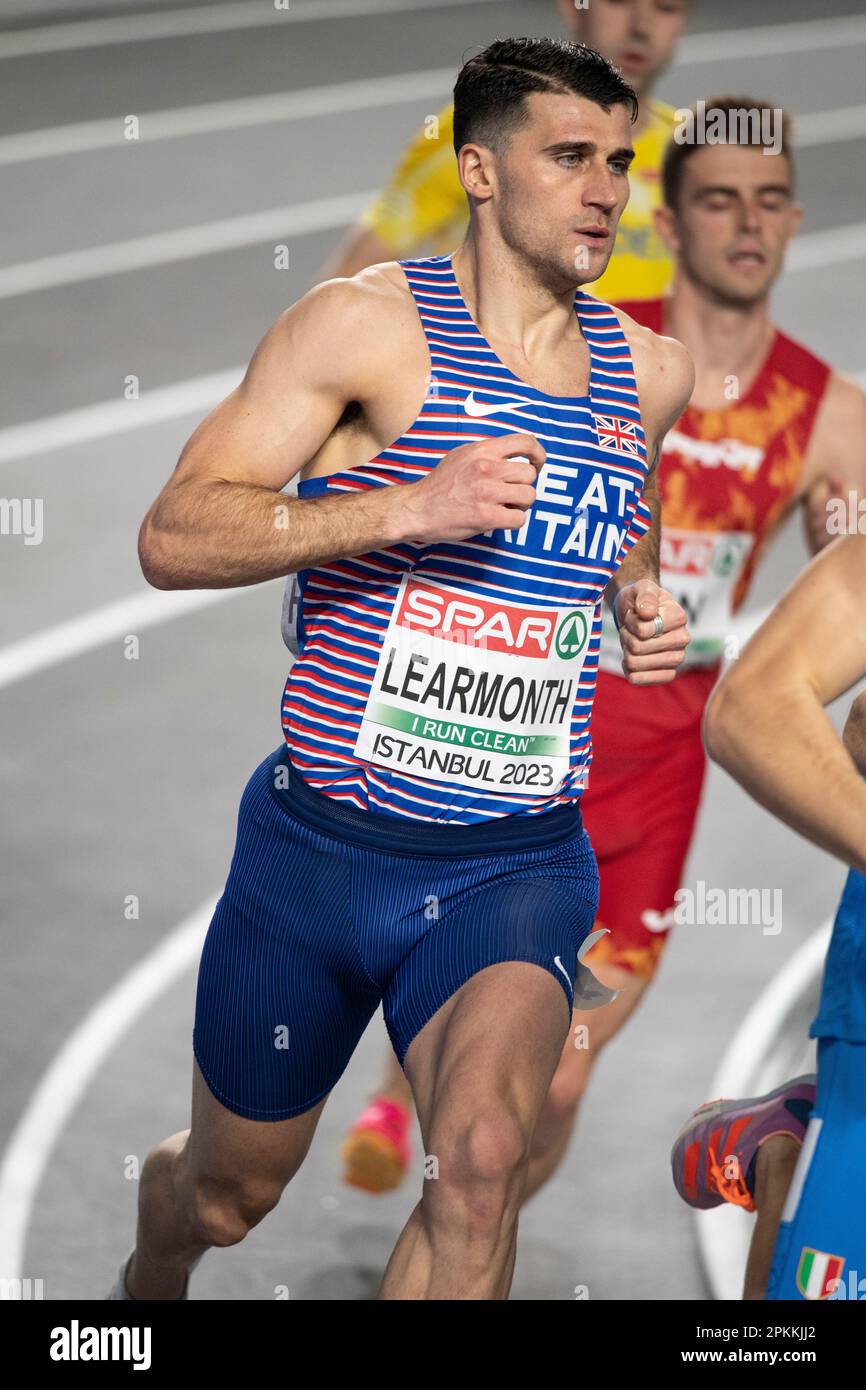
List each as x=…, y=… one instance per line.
x=122, y=777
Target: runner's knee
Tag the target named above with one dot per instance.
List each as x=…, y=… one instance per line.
x=223, y=1213
x=487, y=1153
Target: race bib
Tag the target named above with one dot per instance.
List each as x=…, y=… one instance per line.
x=476, y=692
x=701, y=570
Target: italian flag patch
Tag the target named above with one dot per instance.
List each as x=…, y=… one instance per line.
x=817, y=1271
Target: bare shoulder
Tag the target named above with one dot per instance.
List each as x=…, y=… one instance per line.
x=345, y=329
x=365, y=303
x=844, y=403
x=664, y=373
x=837, y=447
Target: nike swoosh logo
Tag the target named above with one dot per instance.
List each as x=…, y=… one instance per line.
x=478, y=409
x=559, y=965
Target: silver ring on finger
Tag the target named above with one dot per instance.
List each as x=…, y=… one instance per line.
x=659, y=624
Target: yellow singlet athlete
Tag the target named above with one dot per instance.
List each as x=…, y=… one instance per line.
x=424, y=210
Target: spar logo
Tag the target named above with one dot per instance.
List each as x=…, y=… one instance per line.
x=479, y=622
x=572, y=636
x=726, y=559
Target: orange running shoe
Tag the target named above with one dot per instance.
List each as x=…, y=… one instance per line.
x=376, y=1151
x=714, y=1155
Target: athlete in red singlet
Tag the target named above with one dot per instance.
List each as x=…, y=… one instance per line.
x=730, y=474
x=770, y=427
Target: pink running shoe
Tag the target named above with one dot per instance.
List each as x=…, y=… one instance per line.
x=376, y=1151
x=714, y=1155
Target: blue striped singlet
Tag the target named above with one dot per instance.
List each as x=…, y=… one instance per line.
x=454, y=681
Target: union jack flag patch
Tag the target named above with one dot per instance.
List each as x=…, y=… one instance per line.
x=617, y=434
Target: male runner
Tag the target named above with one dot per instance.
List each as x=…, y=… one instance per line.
x=769, y=427
x=416, y=839
x=424, y=205
x=777, y=1155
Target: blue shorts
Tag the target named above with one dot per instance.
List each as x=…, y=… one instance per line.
x=329, y=911
x=821, y=1247
x=820, y=1250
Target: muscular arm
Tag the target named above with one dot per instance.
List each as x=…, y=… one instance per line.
x=642, y=561
x=765, y=722
x=221, y=519
x=835, y=462
x=665, y=379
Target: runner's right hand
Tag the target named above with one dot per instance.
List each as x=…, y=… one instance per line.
x=476, y=487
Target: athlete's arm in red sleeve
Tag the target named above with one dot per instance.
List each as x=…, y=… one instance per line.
x=835, y=463
x=222, y=519
x=765, y=721
x=665, y=379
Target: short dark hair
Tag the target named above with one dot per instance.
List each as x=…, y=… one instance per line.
x=491, y=87
x=677, y=152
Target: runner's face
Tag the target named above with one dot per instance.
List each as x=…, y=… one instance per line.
x=637, y=36
x=562, y=184
x=735, y=217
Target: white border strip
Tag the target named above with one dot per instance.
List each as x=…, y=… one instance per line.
x=194, y=20
x=721, y=1239
x=63, y=1084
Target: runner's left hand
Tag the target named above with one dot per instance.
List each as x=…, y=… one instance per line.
x=647, y=659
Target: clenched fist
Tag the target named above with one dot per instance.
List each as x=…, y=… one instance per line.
x=485, y=486
x=650, y=657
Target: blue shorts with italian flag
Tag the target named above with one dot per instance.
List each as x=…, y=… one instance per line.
x=330, y=911
x=821, y=1247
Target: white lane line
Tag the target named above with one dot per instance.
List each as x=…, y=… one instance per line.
x=106, y=418
x=182, y=244
x=132, y=614
x=367, y=93
x=723, y=1242
x=844, y=123
x=63, y=1084
x=766, y=40
x=812, y=250
x=832, y=246
x=192, y=21
x=826, y=127
x=773, y=40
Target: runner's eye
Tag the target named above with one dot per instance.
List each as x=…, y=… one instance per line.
x=774, y=202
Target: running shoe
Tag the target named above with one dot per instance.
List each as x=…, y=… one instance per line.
x=714, y=1156
x=376, y=1151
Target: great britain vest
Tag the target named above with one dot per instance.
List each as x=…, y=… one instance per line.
x=454, y=681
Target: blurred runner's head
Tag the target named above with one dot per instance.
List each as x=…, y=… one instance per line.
x=728, y=197
x=638, y=36
x=542, y=131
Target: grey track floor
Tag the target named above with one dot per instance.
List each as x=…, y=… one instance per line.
x=122, y=777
